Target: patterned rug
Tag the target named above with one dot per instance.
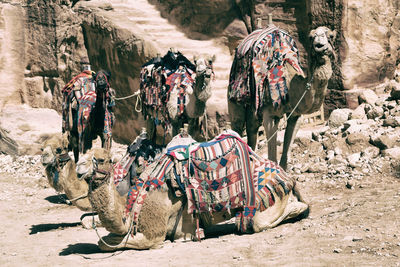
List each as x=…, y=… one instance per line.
x=259, y=63
x=159, y=78
x=219, y=175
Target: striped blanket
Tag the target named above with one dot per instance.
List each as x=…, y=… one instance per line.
x=259, y=63
x=219, y=175
x=86, y=105
x=82, y=82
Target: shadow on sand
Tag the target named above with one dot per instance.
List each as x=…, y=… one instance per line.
x=80, y=248
x=45, y=227
x=57, y=199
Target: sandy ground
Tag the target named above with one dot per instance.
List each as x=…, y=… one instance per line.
x=346, y=227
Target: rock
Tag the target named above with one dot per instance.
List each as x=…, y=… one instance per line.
x=358, y=138
x=7, y=145
x=368, y=96
x=337, y=250
x=330, y=155
x=393, y=153
x=392, y=122
x=395, y=91
x=350, y=184
x=353, y=160
x=384, y=141
x=359, y=113
x=338, y=117
x=370, y=152
x=375, y=112
x=318, y=168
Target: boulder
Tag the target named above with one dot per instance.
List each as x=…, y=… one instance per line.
x=393, y=153
x=338, y=117
x=367, y=96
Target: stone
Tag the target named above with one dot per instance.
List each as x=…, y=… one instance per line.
x=359, y=113
x=392, y=122
x=370, y=152
x=368, y=96
x=375, y=112
x=395, y=91
x=384, y=141
x=338, y=117
x=393, y=153
x=353, y=160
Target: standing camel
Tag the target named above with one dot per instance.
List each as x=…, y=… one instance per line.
x=267, y=82
x=87, y=110
x=171, y=96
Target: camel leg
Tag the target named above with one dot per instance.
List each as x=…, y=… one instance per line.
x=252, y=125
x=281, y=211
x=290, y=134
x=194, y=128
x=151, y=129
x=237, y=116
x=270, y=127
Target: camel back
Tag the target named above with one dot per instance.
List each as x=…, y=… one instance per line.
x=219, y=175
x=259, y=63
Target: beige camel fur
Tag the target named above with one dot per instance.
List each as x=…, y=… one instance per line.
x=197, y=99
x=160, y=210
x=320, y=71
x=55, y=158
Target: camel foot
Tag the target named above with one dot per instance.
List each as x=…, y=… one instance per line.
x=113, y=242
x=296, y=210
x=88, y=220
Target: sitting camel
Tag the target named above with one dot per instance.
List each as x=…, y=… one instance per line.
x=88, y=111
x=61, y=174
x=153, y=210
x=267, y=80
x=170, y=94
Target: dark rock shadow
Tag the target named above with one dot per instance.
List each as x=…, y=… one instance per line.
x=80, y=248
x=57, y=199
x=45, y=227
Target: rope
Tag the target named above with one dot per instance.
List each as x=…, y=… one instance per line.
x=308, y=87
x=126, y=237
x=69, y=201
x=129, y=96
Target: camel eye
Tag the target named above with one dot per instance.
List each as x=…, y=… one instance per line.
x=101, y=161
x=58, y=150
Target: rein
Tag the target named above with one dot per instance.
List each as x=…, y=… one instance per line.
x=308, y=87
x=133, y=224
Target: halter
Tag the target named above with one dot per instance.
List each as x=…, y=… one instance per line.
x=102, y=74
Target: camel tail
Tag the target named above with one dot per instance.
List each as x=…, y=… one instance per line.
x=297, y=194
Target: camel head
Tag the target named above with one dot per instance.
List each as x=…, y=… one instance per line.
x=53, y=148
x=322, y=39
x=204, y=71
x=102, y=79
x=95, y=164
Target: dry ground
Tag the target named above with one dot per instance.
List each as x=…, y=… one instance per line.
x=346, y=227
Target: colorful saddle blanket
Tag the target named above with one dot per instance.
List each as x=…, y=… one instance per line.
x=158, y=79
x=259, y=63
x=86, y=105
x=220, y=175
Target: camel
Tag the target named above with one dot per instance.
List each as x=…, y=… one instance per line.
x=154, y=208
x=61, y=174
x=304, y=95
x=87, y=111
x=176, y=99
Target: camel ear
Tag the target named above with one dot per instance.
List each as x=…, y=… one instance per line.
x=331, y=34
x=311, y=35
x=213, y=58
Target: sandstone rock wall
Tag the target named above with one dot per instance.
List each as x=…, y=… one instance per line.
x=123, y=53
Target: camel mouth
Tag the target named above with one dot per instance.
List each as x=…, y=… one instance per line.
x=320, y=47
